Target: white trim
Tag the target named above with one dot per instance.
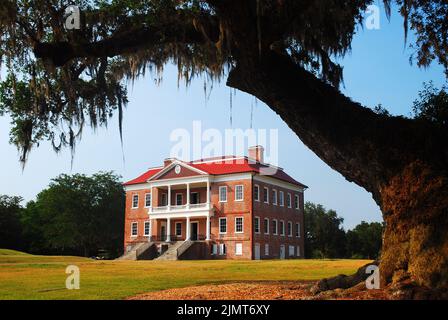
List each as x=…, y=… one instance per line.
x=298, y=231
x=290, y=229
x=132, y=201
x=278, y=183
x=242, y=224
x=149, y=228
x=267, y=195
x=219, y=193
x=232, y=177
x=274, y=191
x=266, y=246
x=289, y=197
x=146, y=194
x=219, y=225
x=175, y=199
x=282, y=230
x=258, y=193
x=242, y=192
x=179, y=181
x=137, y=187
x=175, y=229
x=238, y=253
x=219, y=160
x=264, y=225
x=297, y=207
x=132, y=229
x=259, y=225
x=281, y=196
x=276, y=227
x=172, y=165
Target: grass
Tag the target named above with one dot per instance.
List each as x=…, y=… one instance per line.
x=25, y=276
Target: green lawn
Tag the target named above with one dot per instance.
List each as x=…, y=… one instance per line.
x=24, y=276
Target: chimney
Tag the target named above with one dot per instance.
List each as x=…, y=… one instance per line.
x=257, y=153
x=168, y=161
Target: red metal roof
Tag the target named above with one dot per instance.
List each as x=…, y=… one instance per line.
x=226, y=166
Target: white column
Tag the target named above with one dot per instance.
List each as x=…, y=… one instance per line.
x=169, y=197
x=188, y=196
x=208, y=228
x=168, y=230
x=208, y=191
x=188, y=236
x=152, y=199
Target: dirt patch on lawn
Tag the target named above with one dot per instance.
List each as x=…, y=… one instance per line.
x=266, y=290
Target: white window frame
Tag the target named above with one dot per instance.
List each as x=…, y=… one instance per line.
x=222, y=249
x=274, y=199
x=290, y=229
x=147, y=205
x=166, y=197
x=242, y=192
x=222, y=188
x=147, y=223
x=281, y=199
x=135, y=195
x=132, y=229
x=257, y=194
x=238, y=249
x=282, y=227
x=289, y=200
x=219, y=225
x=275, y=233
x=298, y=230
x=266, y=225
x=257, y=219
x=242, y=225
x=266, y=192
x=291, y=251
x=175, y=229
x=181, y=198
x=266, y=249
x=297, y=201
x=298, y=251
x=214, y=249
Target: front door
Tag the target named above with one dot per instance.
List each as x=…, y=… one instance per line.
x=194, y=231
x=257, y=251
x=282, y=251
x=194, y=198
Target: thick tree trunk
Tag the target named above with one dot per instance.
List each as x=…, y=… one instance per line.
x=402, y=162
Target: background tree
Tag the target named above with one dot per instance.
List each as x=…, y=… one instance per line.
x=10, y=226
x=364, y=241
x=324, y=235
x=77, y=215
x=432, y=105
x=280, y=51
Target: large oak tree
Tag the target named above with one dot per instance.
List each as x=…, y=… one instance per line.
x=280, y=51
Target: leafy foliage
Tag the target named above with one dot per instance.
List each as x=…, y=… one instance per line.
x=77, y=215
x=10, y=226
x=58, y=80
x=364, y=241
x=432, y=105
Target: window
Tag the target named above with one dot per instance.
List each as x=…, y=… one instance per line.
x=266, y=226
x=194, y=198
x=215, y=249
x=289, y=229
x=222, y=225
x=257, y=225
x=239, y=249
x=265, y=195
x=147, y=229
x=274, y=197
x=257, y=192
x=281, y=199
x=288, y=200
x=179, y=199
x=147, y=200
x=164, y=199
x=298, y=230
x=282, y=227
x=134, y=229
x=178, y=229
x=239, y=225
x=298, y=251
x=222, y=249
x=274, y=227
x=135, y=201
x=223, y=194
x=296, y=202
x=239, y=193
x=266, y=249
x=291, y=251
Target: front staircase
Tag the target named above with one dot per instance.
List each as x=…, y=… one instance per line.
x=175, y=250
x=141, y=251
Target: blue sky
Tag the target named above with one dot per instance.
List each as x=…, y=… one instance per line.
x=376, y=71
